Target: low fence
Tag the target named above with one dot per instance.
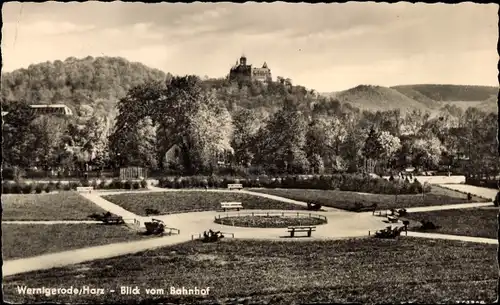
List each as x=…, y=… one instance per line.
x=200, y=235
x=269, y=214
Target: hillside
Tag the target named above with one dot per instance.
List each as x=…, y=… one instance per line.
x=378, y=98
x=76, y=82
x=450, y=93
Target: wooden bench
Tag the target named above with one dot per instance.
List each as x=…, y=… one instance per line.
x=307, y=229
x=84, y=189
x=392, y=219
x=237, y=186
x=114, y=219
x=231, y=205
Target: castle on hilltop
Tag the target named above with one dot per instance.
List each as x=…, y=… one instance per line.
x=242, y=71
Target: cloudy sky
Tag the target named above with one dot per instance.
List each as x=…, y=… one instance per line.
x=326, y=47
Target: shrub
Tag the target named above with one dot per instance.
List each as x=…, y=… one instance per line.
x=127, y=185
x=101, y=185
x=94, y=184
x=39, y=188
x=116, y=184
x=16, y=188
x=27, y=188
x=58, y=185
x=85, y=183
x=6, y=188
x=144, y=183
x=66, y=187
x=136, y=185
x=49, y=188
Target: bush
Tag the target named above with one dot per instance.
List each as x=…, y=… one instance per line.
x=49, y=188
x=6, y=188
x=26, y=188
x=39, y=188
x=136, y=185
x=116, y=184
x=58, y=186
x=127, y=185
x=94, y=184
x=144, y=184
x=16, y=188
x=102, y=185
x=66, y=187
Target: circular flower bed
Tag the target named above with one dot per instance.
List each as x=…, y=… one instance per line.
x=269, y=221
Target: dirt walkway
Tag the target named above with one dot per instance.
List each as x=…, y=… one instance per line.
x=454, y=237
x=50, y=222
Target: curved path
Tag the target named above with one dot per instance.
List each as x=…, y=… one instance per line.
x=341, y=224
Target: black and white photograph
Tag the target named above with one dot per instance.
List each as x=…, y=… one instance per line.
x=250, y=153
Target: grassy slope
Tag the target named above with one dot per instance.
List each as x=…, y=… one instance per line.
x=477, y=222
x=26, y=240
x=347, y=200
x=58, y=206
x=378, y=98
x=195, y=200
x=359, y=270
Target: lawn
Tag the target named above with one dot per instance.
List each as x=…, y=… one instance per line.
x=477, y=222
x=269, y=221
x=182, y=201
x=26, y=240
x=365, y=271
x=348, y=200
x=58, y=206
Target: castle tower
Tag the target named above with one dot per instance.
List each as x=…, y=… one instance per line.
x=243, y=60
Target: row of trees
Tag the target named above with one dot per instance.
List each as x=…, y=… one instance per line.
x=306, y=134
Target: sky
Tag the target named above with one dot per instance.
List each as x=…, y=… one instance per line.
x=326, y=47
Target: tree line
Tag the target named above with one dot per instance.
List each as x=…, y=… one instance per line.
x=289, y=130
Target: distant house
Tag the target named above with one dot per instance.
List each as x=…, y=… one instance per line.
x=48, y=109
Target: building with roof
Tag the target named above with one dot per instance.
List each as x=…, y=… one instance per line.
x=241, y=71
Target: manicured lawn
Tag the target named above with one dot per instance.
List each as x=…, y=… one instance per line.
x=269, y=221
x=183, y=201
x=365, y=271
x=26, y=240
x=477, y=222
x=58, y=206
x=348, y=200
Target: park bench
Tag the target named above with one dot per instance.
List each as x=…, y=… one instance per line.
x=108, y=218
x=393, y=219
x=237, y=186
x=389, y=232
x=231, y=205
x=84, y=189
x=307, y=229
x=313, y=206
x=155, y=226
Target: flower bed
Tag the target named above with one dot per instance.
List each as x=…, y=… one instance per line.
x=271, y=221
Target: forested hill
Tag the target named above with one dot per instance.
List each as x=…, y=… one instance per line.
x=451, y=93
x=76, y=82
x=104, y=80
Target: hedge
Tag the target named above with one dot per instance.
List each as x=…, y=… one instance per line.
x=38, y=188
x=342, y=182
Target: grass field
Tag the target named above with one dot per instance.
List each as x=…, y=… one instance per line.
x=58, y=206
x=347, y=200
x=477, y=222
x=167, y=202
x=26, y=240
x=366, y=271
x=269, y=221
